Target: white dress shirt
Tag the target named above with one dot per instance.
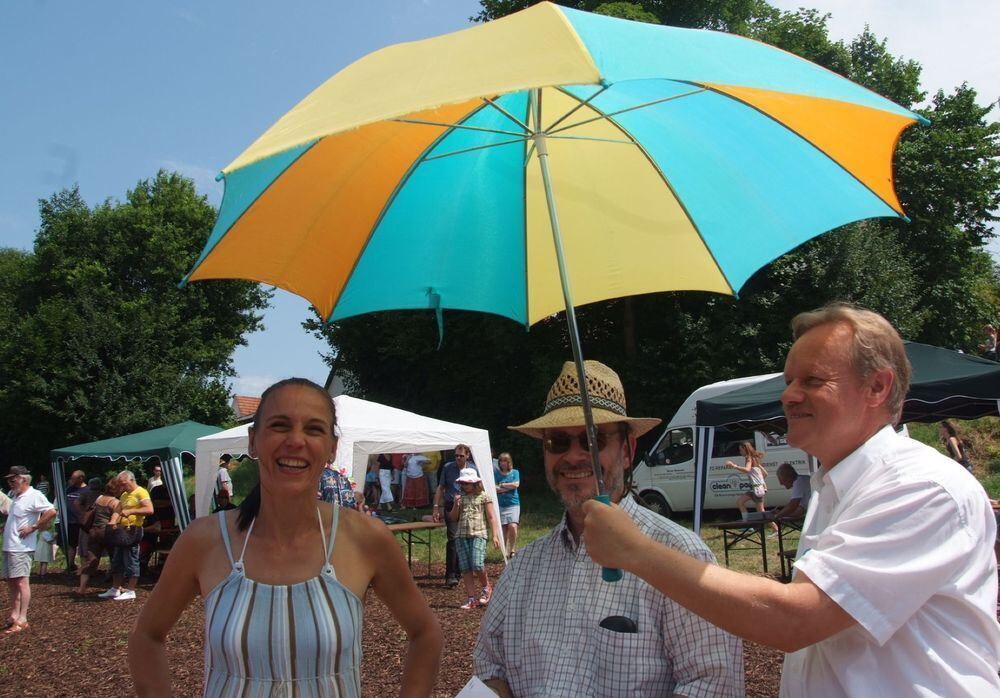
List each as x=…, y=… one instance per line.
x=901, y=538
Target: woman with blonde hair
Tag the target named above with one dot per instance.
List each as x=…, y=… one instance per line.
x=753, y=467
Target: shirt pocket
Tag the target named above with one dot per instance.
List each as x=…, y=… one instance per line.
x=619, y=667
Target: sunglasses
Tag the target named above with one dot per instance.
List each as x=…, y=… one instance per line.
x=559, y=442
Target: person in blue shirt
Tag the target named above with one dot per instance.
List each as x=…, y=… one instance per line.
x=508, y=480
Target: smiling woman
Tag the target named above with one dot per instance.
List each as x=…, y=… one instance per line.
x=283, y=577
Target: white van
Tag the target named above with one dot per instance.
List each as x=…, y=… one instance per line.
x=664, y=479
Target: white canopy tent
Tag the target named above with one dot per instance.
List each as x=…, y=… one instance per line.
x=363, y=428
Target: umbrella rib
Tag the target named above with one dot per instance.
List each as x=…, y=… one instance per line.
x=663, y=176
x=572, y=111
x=442, y=124
x=627, y=109
x=591, y=138
x=469, y=150
x=507, y=114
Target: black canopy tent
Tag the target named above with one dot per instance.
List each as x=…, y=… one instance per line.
x=944, y=384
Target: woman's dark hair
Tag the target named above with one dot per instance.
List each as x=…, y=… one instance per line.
x=250, y=506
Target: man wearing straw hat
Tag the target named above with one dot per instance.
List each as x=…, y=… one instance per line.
x=553, y=627
x=895, y=586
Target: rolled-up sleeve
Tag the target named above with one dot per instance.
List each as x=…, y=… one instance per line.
x=911, y=538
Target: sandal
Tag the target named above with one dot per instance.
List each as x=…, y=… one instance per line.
x=16, y=628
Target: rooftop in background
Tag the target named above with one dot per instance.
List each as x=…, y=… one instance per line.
x=245, y=407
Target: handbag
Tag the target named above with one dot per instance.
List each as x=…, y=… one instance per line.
x=122, y=536
x=87, y=522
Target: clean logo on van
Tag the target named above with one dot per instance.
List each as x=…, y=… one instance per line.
x=733, y=483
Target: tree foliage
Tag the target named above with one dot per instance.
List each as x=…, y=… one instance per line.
x=931, y=277
x=97, y=338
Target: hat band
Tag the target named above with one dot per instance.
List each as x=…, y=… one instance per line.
x=577, y=401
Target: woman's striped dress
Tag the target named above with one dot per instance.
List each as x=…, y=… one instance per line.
x=290, y=640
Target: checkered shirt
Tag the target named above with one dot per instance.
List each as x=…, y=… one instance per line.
x=541, y=632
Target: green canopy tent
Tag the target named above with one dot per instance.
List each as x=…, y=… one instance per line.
x=165, y=443
x=944, y=384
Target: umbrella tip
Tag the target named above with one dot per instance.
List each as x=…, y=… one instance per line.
x=219, y=177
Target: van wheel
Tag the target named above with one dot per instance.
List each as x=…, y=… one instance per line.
x=655, y=502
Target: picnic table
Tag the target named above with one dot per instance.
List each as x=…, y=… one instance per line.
x=753, y=535
x=415, y=531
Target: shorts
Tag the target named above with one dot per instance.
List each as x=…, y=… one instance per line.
x=125, y=561
x=17, y=564
x=471, y=554
x=754, y=498
x=510, y=515
x=74, y=534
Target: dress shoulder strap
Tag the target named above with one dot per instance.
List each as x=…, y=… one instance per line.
x=328, y=543
x=225, y=536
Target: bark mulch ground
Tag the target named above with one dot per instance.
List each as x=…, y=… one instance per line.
x=74, y=645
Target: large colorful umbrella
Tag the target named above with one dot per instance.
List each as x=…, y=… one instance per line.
x=675, y=159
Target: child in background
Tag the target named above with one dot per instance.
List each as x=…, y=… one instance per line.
x=472, y=510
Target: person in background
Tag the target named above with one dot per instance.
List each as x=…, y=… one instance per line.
x=799, y=500
x=431, y=466
x=306, y=564
x=954, y=445
x=385, y=482
x=159, y=529
x=397, y=476
x=553, y=626
x=29, y=512
x=989, y=347
x=76, y=487
x=415, y=489
x=472, y=511
x=42, y=485
x=45, y=548
x=444, y=496
x=104, y=505
x=372, y=492
x=156, y=478
x=223, y=480
x=754, y=468
x=894, y=591
x=134, y=505
x=508, y=483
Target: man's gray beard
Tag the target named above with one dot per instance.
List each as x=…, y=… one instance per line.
x=614, y=486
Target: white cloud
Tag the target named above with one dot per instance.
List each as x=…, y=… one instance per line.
x=953, y=41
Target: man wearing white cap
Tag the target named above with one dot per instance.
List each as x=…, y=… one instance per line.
x=29, y=512
x=553, y=627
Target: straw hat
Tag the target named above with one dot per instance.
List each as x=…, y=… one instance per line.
x=564, y=404
x=468, y=475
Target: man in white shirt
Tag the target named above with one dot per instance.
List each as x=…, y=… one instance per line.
x=799, y=500
x=895, y=586
x=30, y=512
x=223, y=481
x=156, y=479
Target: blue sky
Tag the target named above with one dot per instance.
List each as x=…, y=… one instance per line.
x=104, y=93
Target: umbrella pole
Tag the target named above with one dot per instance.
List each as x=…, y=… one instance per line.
x=541, y=149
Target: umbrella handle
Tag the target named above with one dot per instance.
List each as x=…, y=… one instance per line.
x=609, y=574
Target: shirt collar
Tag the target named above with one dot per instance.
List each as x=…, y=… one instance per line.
x=851, y=469
x=563, y=534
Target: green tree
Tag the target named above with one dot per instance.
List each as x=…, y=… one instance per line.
x=104, y=342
